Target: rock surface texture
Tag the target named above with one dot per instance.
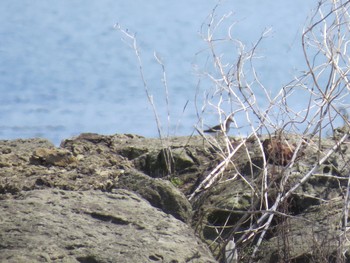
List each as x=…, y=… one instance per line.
x=92, y=226
x=125, y=198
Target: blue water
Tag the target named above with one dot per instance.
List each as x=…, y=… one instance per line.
x=65, y=69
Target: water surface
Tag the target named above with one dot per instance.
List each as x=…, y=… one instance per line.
x=64, y=69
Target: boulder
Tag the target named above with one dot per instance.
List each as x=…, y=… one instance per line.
x=92, y=226
x=160, y=193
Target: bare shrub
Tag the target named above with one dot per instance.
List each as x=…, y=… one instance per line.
x=325, y=84
x=285, y=134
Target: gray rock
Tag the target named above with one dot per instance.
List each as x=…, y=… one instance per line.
x=160, y=193
x=92, y=226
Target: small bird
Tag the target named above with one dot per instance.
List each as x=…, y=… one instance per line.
x=221, y=128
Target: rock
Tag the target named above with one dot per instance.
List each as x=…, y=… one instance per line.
x=24, y=145
x=315, y=235
x=92, y=226
x=160, y=193
x=56, y=157
x=164, y=172
x=222, y=205
x=17, y=152
x=158, y=158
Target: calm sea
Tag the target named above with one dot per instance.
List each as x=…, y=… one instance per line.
x=65, y=69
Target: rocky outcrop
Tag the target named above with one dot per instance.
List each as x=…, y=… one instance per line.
x=93, y=226
x=160, y=193
x=87, y=202
x=125, y=198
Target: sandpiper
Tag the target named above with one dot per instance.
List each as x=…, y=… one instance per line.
x=221, y=128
